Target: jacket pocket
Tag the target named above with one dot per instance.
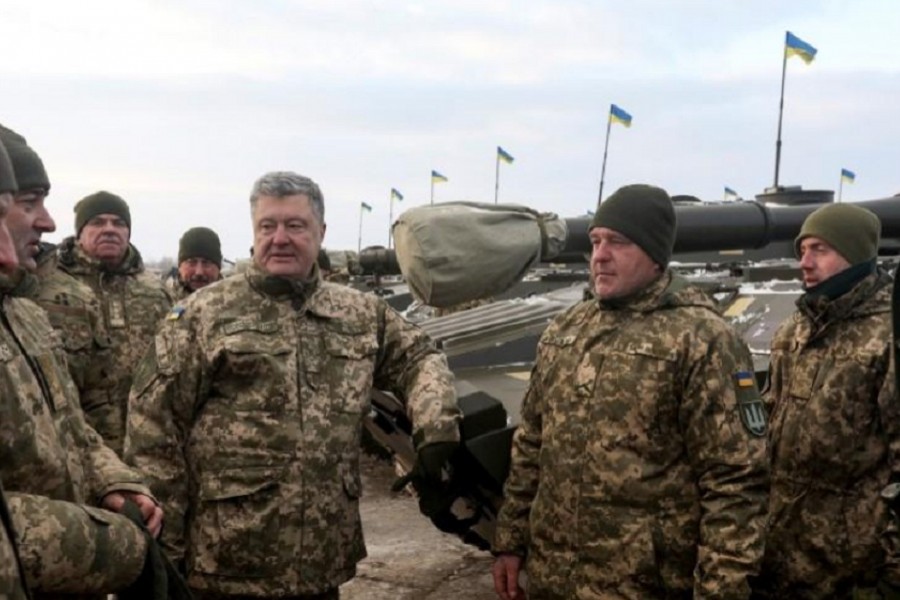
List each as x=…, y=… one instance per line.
x=237, y=526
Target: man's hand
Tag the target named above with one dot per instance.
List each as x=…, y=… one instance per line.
x=150, y=511
x=506, y=577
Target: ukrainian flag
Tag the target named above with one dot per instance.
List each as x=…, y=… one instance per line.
x=365, y=207
x=730, y=193
x=617, y=115
x=396, y=194
x=848, y=176
x=794, y=46
x=437, y=177
x=504, y=155
x=744, y=378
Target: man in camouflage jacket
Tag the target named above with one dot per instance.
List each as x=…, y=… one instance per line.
x=72, y=307
x=639, y=467
x=247, y=411
x=46, y=448
x=132, y=304
x=835, y=420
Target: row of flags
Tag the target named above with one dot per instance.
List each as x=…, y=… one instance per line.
x=437, y=177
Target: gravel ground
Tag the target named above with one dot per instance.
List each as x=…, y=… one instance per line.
x=409, y=558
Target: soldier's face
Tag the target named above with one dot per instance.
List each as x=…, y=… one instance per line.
x=198, y=272
x=619, y=267
x=287, y=235
x=819, y=261
x=105, y=238
x=8, y=259
x=28, y=219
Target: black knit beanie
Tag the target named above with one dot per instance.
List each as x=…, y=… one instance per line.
x=7, y=177
x=100, y=203
x=200, y=242
x=850, y=229
x=29, y=169
x=645, y=215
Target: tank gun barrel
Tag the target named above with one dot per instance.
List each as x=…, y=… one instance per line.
x=737, y=225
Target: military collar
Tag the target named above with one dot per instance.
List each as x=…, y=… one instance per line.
x=74, y=259
x=642, y=300
x=283, y=288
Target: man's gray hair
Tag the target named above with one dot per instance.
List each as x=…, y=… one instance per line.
x=279, y=184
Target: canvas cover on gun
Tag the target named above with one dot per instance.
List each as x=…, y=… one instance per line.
x=455, y=252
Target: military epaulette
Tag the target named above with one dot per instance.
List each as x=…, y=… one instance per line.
x=175, y=313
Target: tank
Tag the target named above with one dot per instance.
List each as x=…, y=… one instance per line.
x=741, y=253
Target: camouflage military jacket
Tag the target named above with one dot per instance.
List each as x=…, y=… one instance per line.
x=75, y=313
x=176, y=288
x=46, y=447
x=132, y=303
x=70, y=548
x=12, y=576
x=247, y=416
x=834, y=438
x=633, y=473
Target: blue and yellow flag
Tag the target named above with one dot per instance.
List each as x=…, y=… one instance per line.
x=794, y=46
x=365, y=207
x=396, y=194
x=437, y=177
x=744, y=378
x=504, y=155
x=848, y=176
x=617, y=115
x=730, y=193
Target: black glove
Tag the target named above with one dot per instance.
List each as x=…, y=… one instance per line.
x=159, y=580
x=427, y=477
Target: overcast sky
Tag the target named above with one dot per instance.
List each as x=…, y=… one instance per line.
x=178, y=106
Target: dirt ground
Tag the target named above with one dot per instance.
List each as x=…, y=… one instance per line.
x=409, y=558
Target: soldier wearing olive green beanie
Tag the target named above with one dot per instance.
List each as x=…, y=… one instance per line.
x=132, y=302
x=645, y=215
x=29, y=168
x=199, y=262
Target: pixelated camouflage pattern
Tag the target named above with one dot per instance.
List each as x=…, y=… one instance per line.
x=12, y=577
x=132, y=302
x=834, y=442
x=175, y=288
x=46, y=447
x=247, y=416
x=74, y=311
x=71, y=548
x=632, y=474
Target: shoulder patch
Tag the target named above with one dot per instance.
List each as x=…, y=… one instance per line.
x=175, y=313
x=750, y=405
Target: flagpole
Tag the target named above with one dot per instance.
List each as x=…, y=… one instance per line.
x=497, y=177
x=390, y=220
x=780, y=112
x=603, y=169
x=432, y=188
x=359, y=242
x=840, y=188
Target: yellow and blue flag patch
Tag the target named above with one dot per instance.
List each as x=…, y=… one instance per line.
x=175, y=313
x=744, y=379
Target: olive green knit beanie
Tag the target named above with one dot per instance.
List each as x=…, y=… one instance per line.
x=7, y=176
x=643, y=213
x=100, y=203
x=850, y=229
x=28, y=166
x=200, y=242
